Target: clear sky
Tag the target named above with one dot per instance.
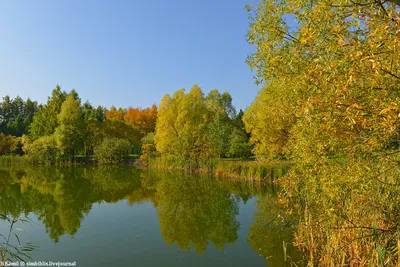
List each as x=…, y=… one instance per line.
x=124, y=53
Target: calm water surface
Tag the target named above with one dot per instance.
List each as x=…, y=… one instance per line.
x=121, y=216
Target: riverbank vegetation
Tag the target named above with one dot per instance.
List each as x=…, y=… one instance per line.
x=190, y=132
x=330, y=103
x=63, y=130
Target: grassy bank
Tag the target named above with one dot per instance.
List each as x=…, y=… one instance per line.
x=189, y=166
x=230, y=168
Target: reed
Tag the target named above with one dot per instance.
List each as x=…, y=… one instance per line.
x=14, y=160
x=252, y=170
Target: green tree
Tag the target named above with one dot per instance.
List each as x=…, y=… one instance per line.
x=16, y=115
x=93, y=117
x=45, y=120
x=70, y=132
x=239, y=145
x=221, y=127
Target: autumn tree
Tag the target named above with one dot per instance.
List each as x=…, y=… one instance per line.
x=330, y=75
x=182, y=129
x=115, y=114
x=142, y=119
x=270, y=118
x=8, y=144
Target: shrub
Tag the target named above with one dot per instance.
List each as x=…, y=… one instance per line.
x=240, y=150
x=112, y=150
x=8, y=144
x=147, y=152
x=42, y=151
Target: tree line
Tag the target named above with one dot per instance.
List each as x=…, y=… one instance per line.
x=65, y=128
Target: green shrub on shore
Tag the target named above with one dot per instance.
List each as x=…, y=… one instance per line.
x=251, y=170
x=42, y=151
x=111, y=150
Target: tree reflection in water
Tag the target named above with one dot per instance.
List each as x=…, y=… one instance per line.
x=193, y=211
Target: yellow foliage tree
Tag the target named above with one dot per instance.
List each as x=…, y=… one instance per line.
x=181, y=135
x=330, y=72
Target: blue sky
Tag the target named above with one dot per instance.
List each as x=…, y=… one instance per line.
x=124, y=53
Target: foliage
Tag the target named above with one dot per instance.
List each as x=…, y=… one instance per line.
x=181, y=131
x=192, y=129
x=239, y=145
x=45, y=120
x=70, y=131
x=43, y=150
x=115, y=114
x=270, y=119
x=8, y=144
x=147, y=153
x=148, y=149
x=119, y=129
x=330, y=100
x=221, y=126
x=16, y=115
x=93, y=118
x=11, y=248
x=111, y=150
x=148, y=138
x=142, y=119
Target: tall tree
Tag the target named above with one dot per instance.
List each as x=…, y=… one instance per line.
x=69, y=134
x=16, y=115
x=182, y=129
x=221, y=126
x=45, y=121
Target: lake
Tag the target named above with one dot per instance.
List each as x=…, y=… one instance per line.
x=122, y=216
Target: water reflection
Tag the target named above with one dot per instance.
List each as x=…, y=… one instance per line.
x=196, y=212
x=60, y=197
x=271, y=233
x=193, y=211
